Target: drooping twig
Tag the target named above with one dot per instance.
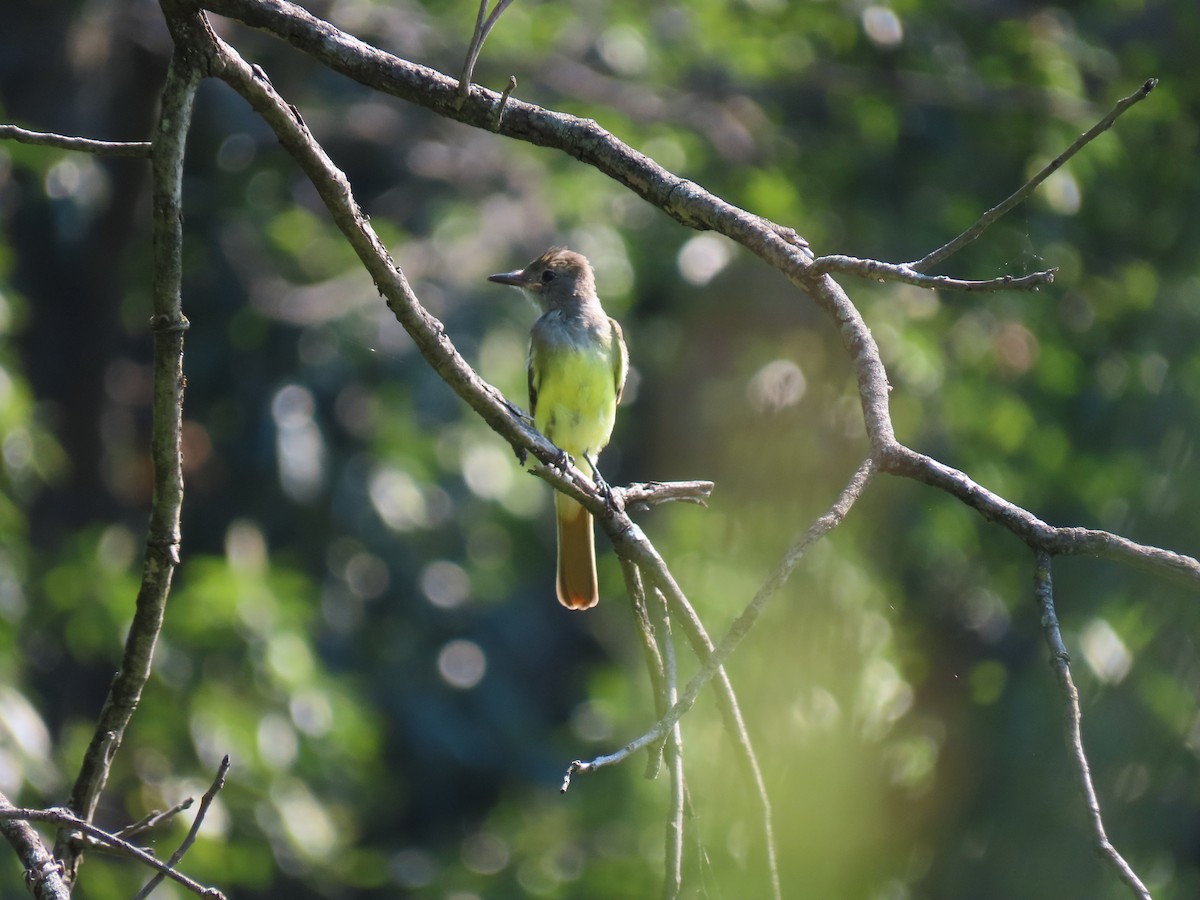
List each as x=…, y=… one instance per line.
x=876, y=270
x=138, y=149
x=484, y=24
x=1060, y=660
x=984, y=221
x=190, y=838
x=162, y=541
x=68, y=822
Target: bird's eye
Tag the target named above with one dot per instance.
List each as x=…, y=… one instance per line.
x=547, y=276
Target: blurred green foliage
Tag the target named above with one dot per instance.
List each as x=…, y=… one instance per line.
x=364, y=617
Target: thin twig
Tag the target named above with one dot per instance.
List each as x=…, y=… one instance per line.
x=873, y=269
x=1060, y=660
x=163, y=537
x=651, y=653
x=644, y=494
x=68, y=822
x=741, y=626
x=139, y=149
x=156, y=818
x=1028, y=187
x=673, y=865
x=508, y=89
x=483, y=27
x=190, y=838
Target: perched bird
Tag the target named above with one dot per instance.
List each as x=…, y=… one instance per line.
x=577, y=367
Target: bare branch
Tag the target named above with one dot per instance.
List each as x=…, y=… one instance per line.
x=984, y=221
x=1039, y=535
x=643, y=495
x=190, y=838
x=163, y=537
x=652, y=654
x=1060, y=660
x=156, y=818
x=484, y=24
x=43, y=875
x=137, y=149
x=68, y=822
x=873, y=269
x=673, y=858
x=583, y=139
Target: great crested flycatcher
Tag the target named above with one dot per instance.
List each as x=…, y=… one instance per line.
x=577, y=366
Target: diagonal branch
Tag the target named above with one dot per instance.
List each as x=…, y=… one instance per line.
x=984, y=222
x=742, y=625
x=190, y=838
x=1060, y=660
x=583, y=139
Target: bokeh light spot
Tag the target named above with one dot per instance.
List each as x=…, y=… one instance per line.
x=462, y=664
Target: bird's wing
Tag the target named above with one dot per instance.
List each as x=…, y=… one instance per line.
x=620, y=358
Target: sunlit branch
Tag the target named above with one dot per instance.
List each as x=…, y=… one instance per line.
x=1060, y=660
x=875, y=270
x=138, y=149
x=741, y=626
x=984, y=221
x=163, y=537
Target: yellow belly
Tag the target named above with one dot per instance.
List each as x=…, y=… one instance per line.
x=577, y=402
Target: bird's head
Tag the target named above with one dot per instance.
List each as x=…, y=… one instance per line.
x=556, y=278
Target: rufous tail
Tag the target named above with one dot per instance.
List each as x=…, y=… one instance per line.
x=576, y=555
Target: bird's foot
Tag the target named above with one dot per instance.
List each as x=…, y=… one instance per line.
x=603, y=488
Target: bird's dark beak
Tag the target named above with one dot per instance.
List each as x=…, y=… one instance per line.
x=516, y=279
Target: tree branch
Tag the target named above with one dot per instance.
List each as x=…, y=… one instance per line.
x=190, y=838
x=483, y=27
x=162, y=540
x=1056, y=541
x=136, y=149
x=69, y=822
x=43, y=875
x=673, y=850
x=874, y=270
x=985, y=221
x=1060, y=660
x=583, y=139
